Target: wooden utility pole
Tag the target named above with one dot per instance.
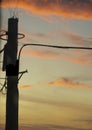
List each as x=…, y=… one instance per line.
x=11, y=66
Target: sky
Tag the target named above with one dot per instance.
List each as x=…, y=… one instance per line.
x=56, y=93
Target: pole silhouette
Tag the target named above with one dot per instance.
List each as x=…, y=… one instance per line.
x=11, y=66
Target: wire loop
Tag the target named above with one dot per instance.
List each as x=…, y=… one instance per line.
x=5, y=33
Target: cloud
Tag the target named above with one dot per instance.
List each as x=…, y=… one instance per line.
x=49, y=54
x=82, y=57
x=65, y=82
x=43, y=54
x=54, y=102
x=47, y=127
x=77, y=9
x=49, y=19
x=88, y=121
x=79, y=40
x=50, y=127
x=42, y=35
x=24, y=87
x=74, y=37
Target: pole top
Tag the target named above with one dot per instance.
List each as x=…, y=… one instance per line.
x=13, y=19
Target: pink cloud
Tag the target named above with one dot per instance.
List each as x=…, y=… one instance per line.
x=76, y=38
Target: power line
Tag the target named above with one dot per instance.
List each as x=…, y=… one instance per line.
x=53, y=46
x=4, y=87
x=1, y=50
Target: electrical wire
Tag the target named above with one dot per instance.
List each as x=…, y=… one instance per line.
x=3, y=33
x=53, y=46
x=1, y=50
x=4, y=87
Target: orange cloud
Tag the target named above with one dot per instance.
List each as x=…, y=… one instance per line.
x=77, y=9
x=65, y=82
x=43, y=54
x=87, y=60
x=24, y=87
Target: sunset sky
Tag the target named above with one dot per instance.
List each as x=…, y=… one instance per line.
x=56, y=93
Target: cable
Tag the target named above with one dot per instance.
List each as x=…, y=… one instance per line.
x=53, y=46
x=4, y=87
x=1, y=50
x=3, y=33
x=21, y=36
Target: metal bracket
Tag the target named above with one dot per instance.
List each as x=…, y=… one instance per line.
x=21, y=74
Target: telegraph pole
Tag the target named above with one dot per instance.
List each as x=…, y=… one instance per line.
x=11, y=66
